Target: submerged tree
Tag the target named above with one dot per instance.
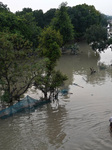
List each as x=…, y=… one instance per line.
x=49, y=47
x=16, y=71
x=96, y=36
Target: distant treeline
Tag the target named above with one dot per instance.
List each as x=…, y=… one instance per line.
x=30, y=23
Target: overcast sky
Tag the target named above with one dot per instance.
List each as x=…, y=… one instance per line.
x=104, y=6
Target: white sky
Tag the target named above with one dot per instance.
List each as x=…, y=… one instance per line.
x=104, y=6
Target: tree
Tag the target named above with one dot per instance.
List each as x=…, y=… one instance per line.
x=31, y=29
x=48, y=16
x=3, y=7
x=23, y=12
x=39, y=18
x=62, y=23
x=97, y=37
x=49, y=84
x=49, y=44
x=21, y=22
x=17, y=68
x=49, y=47
x=12, y=23
x=83, y=16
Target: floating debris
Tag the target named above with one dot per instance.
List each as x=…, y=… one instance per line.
x=78, y=85
x=92, y=71
x=102, y=67
x=64, y=91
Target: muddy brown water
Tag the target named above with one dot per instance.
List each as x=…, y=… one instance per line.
x=79, y=121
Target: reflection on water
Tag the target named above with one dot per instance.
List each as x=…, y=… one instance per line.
x=55, y=124
x=41, y=129
x=79, y=120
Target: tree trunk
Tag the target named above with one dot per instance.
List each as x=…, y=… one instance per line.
x=45, y=95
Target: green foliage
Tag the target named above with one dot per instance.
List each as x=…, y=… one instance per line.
x=57, y=79
x=71, y=22
x=48, y=16
x=39, y=18
x=96, y=33
x=62, y=23
x=97, y=37
x=32, y=30
x=10, y=22
x=49, y=44
x=21, y=22
x=109, y=42
x=49, y=47
x=24, y=11
x=3, y=7
x=5, y=97
x=48, y=84
x=18, y=68
x=7, y=20
x=83, y=16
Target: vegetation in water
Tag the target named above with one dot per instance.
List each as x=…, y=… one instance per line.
x=49, y=47
x=31, y=43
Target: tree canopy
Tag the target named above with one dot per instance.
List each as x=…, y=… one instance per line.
x=49, y=47
x=62, y=23
x=97, y=37
x=83, y=16
x=18, y=67
x=71, y=22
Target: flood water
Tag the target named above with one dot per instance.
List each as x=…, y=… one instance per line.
x=79, y=121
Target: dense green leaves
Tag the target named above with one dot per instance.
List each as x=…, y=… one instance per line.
x=33, y=31
x=3, y=7
x=17, y=68
x=49, y=46
x=62, y=23
x=49, y=84
x=39, y=18
x=97, y=37
x=96, y=33
x=48, y=16
x=83, y=16
x=10, y=53
x=71, y=22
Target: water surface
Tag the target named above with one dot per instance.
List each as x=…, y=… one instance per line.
x=79, y=121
